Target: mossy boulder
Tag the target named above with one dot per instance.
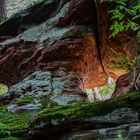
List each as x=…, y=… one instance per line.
x=80, y=111
x=60, y=117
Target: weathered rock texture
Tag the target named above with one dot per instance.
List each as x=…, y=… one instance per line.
x=103, y=120
x=127, y=82
x=14, y=6
x=56, y=34
x=46, y=46
x=49, y=54
x=113, y=49
x=43, y=87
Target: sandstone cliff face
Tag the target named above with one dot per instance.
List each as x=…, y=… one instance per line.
x=49, y=54
x=59, y=37
x=114, y=50
x=48, y=37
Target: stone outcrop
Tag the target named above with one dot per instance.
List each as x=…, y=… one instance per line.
x=110, y=119
x=14, y=6
x=132, y=133
x=43, y=88
x=114, y=50
x=57, y=34
x=49, y=55
x=104, y=120
x=46, y=46
x=128, y=82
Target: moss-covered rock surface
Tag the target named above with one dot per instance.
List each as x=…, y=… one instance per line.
x=19, y=125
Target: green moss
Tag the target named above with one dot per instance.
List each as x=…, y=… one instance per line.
x=15, y=124
x=25, y=100
x=78, y=111
x=45, y=102
x=20, y=124
x=3, y=89
x=123, y=63
x=4, y=131
x=13, y=138
x=107, y=89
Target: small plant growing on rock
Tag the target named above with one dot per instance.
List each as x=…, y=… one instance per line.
x=3, y=89
x=120, y=137
x=124, y=16
x=123, y=63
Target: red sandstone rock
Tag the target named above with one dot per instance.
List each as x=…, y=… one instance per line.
x=66, y=38
x=127, y=82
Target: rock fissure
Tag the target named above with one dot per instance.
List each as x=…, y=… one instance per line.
x=98, y=38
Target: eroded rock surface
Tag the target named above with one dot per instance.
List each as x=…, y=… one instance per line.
x=43, y=88
x=49, y=54
x=57, y=34
x=127, y=131
x=127, y=82
x=87, y=122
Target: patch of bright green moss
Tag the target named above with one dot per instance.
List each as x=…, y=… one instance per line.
x=3, y=89
x=123, y=63
x=107, y=89
x=24, y=100
x=14, y=123
x=20, y=124
x=4, y=131
x=13, y=138
x=78, y=111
